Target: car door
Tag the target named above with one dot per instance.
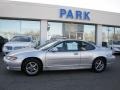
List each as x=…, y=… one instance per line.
x=64, y=54
x=86, y=54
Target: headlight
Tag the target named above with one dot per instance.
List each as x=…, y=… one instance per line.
x=11, y=57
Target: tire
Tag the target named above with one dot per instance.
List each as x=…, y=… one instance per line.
x=32, y=67
x=99, y=65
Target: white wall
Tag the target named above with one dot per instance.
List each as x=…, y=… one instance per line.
x=51, y=12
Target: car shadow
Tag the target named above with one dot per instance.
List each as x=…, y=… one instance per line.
x=54, y=72
x=58, y=72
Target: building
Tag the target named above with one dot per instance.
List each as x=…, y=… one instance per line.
x=47, y=21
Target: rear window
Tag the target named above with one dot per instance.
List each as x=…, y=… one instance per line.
x=21, y=39
x=86, y=46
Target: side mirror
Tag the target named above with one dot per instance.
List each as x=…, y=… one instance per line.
x=54, y=50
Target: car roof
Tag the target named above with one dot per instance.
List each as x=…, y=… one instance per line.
x=74, y=40
x=23, y=35
x=69, y=40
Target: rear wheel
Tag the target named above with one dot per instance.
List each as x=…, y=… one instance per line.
x=99, y=65
x=32, y=67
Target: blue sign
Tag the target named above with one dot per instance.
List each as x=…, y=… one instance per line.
x=79, y=15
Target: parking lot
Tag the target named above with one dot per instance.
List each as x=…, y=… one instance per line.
x=62, y=80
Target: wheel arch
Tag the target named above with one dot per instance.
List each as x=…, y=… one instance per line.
x=101, y=57
x=39, y=60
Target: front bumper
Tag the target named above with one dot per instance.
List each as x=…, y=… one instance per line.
x=13, y=65
x=7, y=51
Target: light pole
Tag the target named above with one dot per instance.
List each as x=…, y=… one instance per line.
x=108, y=34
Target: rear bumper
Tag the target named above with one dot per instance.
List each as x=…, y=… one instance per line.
x=111, y=59
x=116, y=50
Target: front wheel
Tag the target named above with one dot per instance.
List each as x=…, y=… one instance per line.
x=31, y=67
x=99, y=65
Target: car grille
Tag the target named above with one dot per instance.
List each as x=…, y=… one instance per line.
x=9, y=47
x=16, y=48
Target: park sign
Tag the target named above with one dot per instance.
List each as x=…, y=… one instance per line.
x=78, y=14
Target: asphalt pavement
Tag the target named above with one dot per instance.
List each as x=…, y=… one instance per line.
x=62, y=80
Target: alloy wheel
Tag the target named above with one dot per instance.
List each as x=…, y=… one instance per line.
x=32, y=68
x=99, y=65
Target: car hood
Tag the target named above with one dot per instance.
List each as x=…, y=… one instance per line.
x=24, y=50
x=14, y=44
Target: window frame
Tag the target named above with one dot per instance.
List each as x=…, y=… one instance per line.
x=93, y=47
x=65, y=47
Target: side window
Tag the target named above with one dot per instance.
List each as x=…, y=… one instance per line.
x=72, y=46
x=59, y=47
x=86, y=46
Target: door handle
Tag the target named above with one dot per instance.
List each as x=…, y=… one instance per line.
x=75, y=53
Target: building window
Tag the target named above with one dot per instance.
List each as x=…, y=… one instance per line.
x=79, y=31
x=9, y=28
x=31, y=28
x=89, y=33
x=107, y=34
x=110, y=34
x=117, y=34
x=71, y=31
x=54, y=30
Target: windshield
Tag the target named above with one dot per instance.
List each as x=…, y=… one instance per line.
x=46, y=45
x=116, y=42
x=21, y=39
x=91, y=42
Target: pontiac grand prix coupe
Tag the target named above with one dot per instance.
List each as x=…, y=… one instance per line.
x=59, y=55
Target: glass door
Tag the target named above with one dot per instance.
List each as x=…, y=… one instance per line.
x=76, y=35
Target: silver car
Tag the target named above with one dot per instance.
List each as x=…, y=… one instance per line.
x=18, y=42
x=115, y=46
x=59, y=55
